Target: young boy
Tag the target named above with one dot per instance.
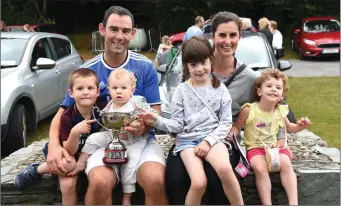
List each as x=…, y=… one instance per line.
x=122, y=84
x=77, y=123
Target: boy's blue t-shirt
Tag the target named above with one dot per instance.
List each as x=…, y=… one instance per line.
x=143, y=69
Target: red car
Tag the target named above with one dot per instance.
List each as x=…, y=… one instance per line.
x=176, y=39
x=316, y=36
x=49, y=28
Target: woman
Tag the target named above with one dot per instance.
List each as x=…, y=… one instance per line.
x=264, y=27
x=226, y=28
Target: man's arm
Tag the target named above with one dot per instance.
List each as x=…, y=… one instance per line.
x=56, y=151
x=54, y=129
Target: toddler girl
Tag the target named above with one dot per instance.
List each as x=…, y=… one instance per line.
x=264, y=123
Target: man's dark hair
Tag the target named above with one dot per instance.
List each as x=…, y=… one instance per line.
x=119, y=11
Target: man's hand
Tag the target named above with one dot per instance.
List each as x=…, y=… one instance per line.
x=80, y=167
x=135, y=128
x=202, y=149
x=54, y=159
x=83, y=127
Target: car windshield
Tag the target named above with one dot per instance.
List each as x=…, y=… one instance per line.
x=16, y=29
x=12, y=51
x=321, y=26
x=253, y=52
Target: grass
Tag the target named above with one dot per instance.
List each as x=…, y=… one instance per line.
x=319, y=99
x=289, y=54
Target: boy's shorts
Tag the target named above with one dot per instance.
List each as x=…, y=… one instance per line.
x=261, y=151
x=45, y=151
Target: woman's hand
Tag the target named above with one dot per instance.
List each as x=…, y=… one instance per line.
x=202, y=149
x=230, y=137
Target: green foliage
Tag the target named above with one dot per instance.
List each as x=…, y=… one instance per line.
x=17, y=12
x=28, y=11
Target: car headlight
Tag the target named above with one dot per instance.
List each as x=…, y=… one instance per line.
x=309, y=42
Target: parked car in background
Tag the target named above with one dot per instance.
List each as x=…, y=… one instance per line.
x=253, y=49
x=177, y=38
x=35, y=69
x=316, y=37
x=49, y=28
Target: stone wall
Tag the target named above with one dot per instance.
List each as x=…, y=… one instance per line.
x=317, y=168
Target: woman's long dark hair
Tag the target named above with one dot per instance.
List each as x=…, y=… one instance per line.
x=197, y=49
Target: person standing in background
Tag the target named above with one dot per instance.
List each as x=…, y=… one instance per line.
x=277, y=41
x=264, y=27
x=195, y=30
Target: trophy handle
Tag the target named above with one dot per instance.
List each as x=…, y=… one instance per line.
x=93, y=114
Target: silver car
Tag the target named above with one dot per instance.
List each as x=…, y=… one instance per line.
x=35, y=69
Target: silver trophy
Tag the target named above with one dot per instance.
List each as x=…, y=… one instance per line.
x=116, y=151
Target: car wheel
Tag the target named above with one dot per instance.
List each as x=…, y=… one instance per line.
x=293, y=45
x=302, y=57
x=291, y=117
x=17, y=130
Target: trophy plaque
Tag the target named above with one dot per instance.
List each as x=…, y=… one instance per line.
x=116, y=151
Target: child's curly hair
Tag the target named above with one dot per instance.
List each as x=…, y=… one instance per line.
x=121, y=72
x=275, y=73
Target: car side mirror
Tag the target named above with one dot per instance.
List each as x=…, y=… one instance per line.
x=297, y=31
x=162, y=68
x=44, y=63
x=284, y=65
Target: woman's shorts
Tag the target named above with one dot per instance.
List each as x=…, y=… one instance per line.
x=261, y=151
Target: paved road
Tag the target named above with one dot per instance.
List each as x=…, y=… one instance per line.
x=314, y=68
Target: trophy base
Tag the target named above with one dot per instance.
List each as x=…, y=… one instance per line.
x=113, y=157
x=109, y=161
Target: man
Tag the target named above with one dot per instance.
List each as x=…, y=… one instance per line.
x=117, y=30
x=195, y=30
x=277, y=40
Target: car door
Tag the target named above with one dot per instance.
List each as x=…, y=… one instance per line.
x=171, y=80
x=47, y=82
x=65, y=60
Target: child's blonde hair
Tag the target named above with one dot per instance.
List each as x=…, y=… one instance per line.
x=121, y=72
x=166, y=40
x=272, y=73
